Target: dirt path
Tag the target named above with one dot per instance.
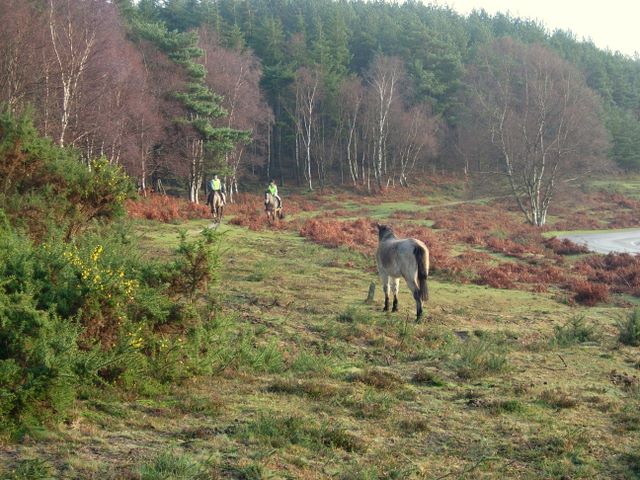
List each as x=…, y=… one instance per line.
x=621, y=241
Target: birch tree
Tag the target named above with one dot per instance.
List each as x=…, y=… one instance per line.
x=541, y=118
x=384, y=76
x=351, y=99
x=307, y=91
x=73, y=31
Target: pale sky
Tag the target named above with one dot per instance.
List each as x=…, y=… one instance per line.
x=609, y=24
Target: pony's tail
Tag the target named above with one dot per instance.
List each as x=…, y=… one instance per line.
x=422, y=257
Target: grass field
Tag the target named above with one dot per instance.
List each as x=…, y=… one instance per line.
x=494, y=383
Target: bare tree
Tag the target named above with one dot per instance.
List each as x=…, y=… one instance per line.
x=307, y=87
x=73, y=30
x=414, y=139
x=21, y=49
x=235, y=75
x=163, y=154
x=541, y=118
x=384, y=76
x=351, y=99
x=87, y=83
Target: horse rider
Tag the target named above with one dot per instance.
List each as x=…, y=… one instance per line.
x=216, y=186
x=272, y=188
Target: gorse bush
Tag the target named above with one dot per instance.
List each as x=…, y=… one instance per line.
x=45, y=188
x=79, y=306
x=62, y=315
x=90, y=280
x=38, y=355
x=37, y=346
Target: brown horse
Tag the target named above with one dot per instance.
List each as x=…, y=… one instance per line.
x=216, y=202
x=272, y=207
x=406, y=258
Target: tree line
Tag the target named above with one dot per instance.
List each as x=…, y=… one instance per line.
x=319, y=92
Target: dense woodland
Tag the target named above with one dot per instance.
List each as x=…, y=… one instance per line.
x=318, y=92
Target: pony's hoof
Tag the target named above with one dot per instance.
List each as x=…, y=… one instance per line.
x=394, y=309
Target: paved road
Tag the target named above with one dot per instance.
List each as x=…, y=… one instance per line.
x=622, y=241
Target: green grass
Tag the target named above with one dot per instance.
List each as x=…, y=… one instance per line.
x=172, y=466
x=316, y=384
x=29, y=469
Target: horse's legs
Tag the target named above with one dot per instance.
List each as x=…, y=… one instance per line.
x=415, y=290
x=395, y=286
x=385, y=289
x=416, y=296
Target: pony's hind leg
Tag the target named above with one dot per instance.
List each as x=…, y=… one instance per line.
x=385, y=289
x=395, y=286
x=418, y=299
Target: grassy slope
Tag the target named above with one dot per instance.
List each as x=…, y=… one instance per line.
x=342, y=390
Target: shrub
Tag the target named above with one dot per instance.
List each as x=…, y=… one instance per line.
x=589, y=293
x=93, y=280
x=78, y=306
x=575, y=331
x=196, y=264
x=629, y=330
x=45, y=187
x=356, y=234
x=38, y=355
x=565, y=246
x=38, y=347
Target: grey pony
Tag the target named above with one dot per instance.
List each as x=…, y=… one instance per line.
x=406, y=258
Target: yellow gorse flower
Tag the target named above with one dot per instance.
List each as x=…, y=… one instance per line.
x=95, y=256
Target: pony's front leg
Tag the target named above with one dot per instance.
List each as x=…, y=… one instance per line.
x=395, y=286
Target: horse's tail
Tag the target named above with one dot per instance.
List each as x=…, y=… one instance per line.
x=422, y=259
